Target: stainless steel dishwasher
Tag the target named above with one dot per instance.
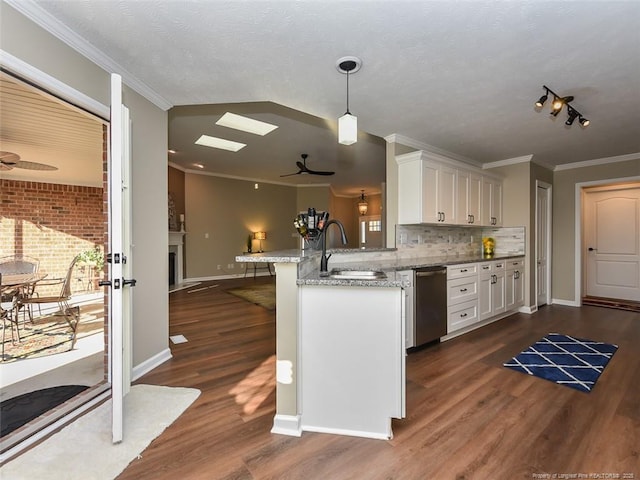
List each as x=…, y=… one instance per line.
x=430, y=313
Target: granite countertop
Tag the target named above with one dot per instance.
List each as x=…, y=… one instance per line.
x=390, y=267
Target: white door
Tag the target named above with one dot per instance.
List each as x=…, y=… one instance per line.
x=542, y=245
x=612, y=242
x=119, y=267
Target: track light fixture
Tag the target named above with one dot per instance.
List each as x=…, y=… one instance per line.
x=558, y=103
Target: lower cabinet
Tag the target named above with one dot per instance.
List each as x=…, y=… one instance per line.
x=480, y=291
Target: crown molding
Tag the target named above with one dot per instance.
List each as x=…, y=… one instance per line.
x=48, y=22
x=598, y=161
x=508, y=161
x=410, y=142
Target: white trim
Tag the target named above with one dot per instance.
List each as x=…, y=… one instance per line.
x=150, y=363
x=287, y=425
x=597, y=161
x=48, y=22
x=350, y=433
x=528, y=310
x=567, y=303
x=508, y=161
x=409, y=142
x=549, y=226
x=578, y=280
x=53, y=428
x=53, y=85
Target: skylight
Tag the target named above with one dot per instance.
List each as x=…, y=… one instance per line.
x=245, y=124
x=221, y=143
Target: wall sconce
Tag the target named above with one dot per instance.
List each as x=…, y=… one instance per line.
x=363, y=206
x=348, y=124
x=558, y=103
x=260, y=236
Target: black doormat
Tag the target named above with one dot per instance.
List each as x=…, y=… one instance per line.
x=20, y=410
x=629, y=305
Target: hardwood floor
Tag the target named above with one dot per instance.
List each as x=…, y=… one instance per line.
x=467, y=416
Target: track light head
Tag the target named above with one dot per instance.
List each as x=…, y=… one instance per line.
x=540, y=102
x=572, y=116
x=583, y=121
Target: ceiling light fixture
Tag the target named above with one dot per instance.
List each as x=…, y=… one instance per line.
x=221, y=143
x=348, y=124
x=245, y=124
x=363, y=206
x=558, y=103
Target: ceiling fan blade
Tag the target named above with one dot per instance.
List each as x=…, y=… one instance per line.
x=315, y=172
x=9, y=158
x=291, y=174
x=5, y=166
x=34, y=166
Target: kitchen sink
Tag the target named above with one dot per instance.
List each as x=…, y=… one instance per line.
x=358, y=274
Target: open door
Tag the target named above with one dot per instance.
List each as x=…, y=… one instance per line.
x=119, y=258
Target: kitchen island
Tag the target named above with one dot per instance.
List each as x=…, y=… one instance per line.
x=340, y=343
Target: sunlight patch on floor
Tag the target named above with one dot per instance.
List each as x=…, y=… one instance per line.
x=251, y=391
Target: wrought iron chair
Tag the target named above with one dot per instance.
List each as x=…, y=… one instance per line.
x=20, y=265
x=71, y=314
x=9, y=299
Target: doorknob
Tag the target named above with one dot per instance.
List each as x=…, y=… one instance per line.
x=131, y=282
x=591, y=249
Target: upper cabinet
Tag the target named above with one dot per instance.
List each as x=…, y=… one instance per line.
x=435, y=190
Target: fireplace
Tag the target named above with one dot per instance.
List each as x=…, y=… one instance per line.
x=176, y=245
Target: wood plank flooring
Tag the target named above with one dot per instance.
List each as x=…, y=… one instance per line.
x=467, y=416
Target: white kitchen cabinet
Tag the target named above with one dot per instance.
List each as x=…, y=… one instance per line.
x=468, y=197
x=352, y=359
x=492, y=292
x=514, y=280
x=426, y=190
x=491, y=209
x=462, y=296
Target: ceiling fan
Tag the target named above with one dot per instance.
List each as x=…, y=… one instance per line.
x=302, y=168
x=9, y=160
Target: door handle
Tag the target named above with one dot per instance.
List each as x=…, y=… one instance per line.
x=104, y=283
x=591, y=249
x=108, y=283
x=131, y=282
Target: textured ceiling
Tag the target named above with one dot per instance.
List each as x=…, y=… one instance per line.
x=459, y=76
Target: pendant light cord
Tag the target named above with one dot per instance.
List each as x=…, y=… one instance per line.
x=348, y=93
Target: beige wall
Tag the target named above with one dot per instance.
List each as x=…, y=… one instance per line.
x=175, y=183
x=228, y=210
x=564, y=219
x=25, y=40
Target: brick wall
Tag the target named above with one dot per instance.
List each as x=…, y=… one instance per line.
x=52, y=223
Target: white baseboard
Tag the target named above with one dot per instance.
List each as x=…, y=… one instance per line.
x=150, y=364
x=528, y=310
x=568, y=303
x=287, y=425
x=350, y=433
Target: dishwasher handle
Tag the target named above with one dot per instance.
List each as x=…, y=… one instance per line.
x=431, y=273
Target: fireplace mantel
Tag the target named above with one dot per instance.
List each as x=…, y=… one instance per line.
x=176, y=244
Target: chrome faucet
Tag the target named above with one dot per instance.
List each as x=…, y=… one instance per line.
x=324, y=260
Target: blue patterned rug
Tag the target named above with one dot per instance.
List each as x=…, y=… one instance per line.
x=570, y=361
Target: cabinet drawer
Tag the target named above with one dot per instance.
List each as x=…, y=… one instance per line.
x=485, y=267
x=462, y=290
x=462, y=315
x=515, y=263
x=463, y=270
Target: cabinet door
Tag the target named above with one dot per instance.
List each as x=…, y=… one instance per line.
x=491, y=208
x=519, y=289
x=498, y=293
x=462, y=198
x=496, y=203
x=447, y=194
x=407, y=280
x=474, y=198
x=410, y=192
x=485, y=297
x=430, y=193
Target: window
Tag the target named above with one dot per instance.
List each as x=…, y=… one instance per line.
x=375, y=225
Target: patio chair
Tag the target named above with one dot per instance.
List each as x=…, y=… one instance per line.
x=19, y=265
x=71, y=314
x=9, y=299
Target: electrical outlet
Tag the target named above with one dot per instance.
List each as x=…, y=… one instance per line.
x=206, y=235
x=219, y=267
x=230, y=266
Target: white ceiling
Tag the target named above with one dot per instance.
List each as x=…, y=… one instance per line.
x=459, y=76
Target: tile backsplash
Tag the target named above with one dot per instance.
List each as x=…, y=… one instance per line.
x=439, y=240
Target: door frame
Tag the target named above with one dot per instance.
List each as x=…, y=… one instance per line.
x=17, y=67
x=549, y=188
x=579, y=227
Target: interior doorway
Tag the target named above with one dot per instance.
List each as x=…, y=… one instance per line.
x=543, y=244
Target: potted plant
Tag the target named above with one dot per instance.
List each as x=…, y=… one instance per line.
x=93, y=257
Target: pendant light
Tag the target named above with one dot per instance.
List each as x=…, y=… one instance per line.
x=363, y=206
x=348, y=124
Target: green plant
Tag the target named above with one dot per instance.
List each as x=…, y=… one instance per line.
x=93, y=257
